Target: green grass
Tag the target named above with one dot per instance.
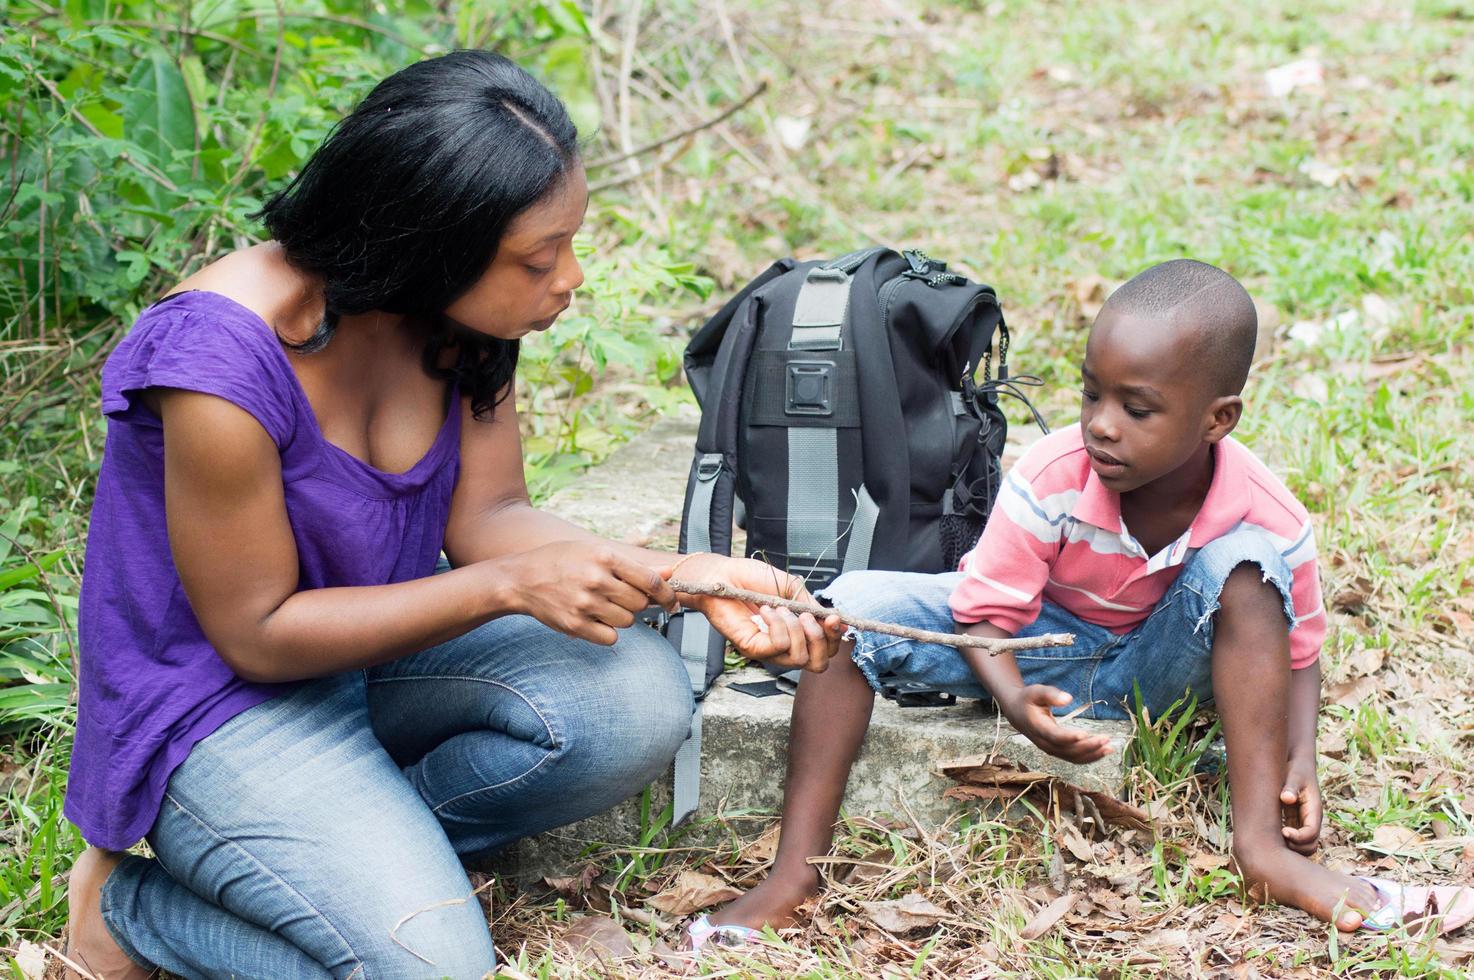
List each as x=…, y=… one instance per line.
x=1168, y=749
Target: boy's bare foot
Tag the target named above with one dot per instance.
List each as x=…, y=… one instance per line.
x=772, y=902
x=89, y=944
x=1274, y=872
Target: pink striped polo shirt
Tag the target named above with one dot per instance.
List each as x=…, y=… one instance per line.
x=1056, y=533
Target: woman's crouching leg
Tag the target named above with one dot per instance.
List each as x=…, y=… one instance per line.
x=289, y=838
x=514, y=728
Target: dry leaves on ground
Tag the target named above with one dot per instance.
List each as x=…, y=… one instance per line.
x=691, y=892
x=598, y=937
x=904, y=915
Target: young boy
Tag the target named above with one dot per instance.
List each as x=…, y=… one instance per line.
x=1176, y=558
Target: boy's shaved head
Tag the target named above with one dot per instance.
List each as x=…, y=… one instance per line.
x=1214, y=312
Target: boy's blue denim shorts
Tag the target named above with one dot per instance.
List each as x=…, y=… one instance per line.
x=1168, y=655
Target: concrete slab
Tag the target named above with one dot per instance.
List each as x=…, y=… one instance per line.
x=636, y=496
x=745, y=755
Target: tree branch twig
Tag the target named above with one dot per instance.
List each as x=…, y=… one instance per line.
x=86, y=123
x=960, y=640
x=757, y=90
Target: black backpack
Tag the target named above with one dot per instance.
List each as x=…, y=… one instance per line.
x=842, y=427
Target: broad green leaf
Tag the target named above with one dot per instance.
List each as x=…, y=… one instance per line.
x=565, y=17
x=218, y=14
x=81, y=11
x=157, y=115
x=12, y=576
x=108, y=123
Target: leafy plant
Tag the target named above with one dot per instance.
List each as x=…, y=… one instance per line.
x=36, y=619
x=1164, y=747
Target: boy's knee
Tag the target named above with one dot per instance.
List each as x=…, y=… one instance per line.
x=1243, y=571
x=886, y=595
x=1251, y=605
x=1249, y=588
x=855, y=591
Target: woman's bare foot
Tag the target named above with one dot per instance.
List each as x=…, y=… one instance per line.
x=89, y=944
x=1273, y=872
x=771, y=903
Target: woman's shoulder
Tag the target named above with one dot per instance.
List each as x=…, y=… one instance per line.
x=259, y=281
x=249, y=295
x=214, y=334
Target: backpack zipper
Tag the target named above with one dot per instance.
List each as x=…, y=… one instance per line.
x=931, y=271
x=887, y=292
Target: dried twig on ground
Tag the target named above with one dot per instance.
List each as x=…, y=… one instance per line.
x=960, y=640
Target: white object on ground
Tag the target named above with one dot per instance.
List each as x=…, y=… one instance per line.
x=1305, y=73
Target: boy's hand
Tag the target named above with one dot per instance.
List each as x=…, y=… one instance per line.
x=1301, y=804
x=784, y=640
x=1029, y=709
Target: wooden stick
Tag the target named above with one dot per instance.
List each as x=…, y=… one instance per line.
x=961, y=640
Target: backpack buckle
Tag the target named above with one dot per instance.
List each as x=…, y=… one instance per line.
x=911, y=694
x=919, y=262
x=827, y=274
x=708, y=467
x=810, y=388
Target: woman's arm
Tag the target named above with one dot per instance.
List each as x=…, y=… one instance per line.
x=237, y=560
x=491, y=514
x=491, y=517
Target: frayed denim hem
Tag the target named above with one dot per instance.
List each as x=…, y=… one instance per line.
x=864, y=650
x=864, y=657
x=1212, y=598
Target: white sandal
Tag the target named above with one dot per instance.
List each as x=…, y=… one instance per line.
x=702, y=931
x=1444, y=907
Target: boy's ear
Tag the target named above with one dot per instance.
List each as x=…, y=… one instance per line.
x=1223, y=417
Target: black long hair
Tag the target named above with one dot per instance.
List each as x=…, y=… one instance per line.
x=402, y=207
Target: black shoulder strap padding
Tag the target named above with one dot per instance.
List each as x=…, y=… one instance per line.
x=716, y=362
x=701, y=351
x=882, y=427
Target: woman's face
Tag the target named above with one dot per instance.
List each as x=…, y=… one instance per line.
x=534, y=274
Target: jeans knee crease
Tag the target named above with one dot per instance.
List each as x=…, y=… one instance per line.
x=267, y=871
x=555, y=740
x=437, y=808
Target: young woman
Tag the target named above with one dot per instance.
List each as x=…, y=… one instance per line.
x=308, y=724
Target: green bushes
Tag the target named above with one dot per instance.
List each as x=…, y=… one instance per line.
x=139, y=137
x=136, y=138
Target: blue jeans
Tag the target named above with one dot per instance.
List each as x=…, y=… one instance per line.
x=321, y=834
x=1168, y=655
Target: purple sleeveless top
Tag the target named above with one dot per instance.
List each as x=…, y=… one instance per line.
x=151, y=685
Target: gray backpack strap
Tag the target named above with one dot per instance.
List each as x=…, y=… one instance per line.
x=696, y=644
x=695, y=630
x=686, y=790
x=813, y=453
x=862, y=531
x=819, y=311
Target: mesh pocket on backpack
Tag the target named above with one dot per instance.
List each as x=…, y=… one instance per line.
x=959, y=533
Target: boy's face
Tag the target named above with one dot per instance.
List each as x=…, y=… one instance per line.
x=1147, y=403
